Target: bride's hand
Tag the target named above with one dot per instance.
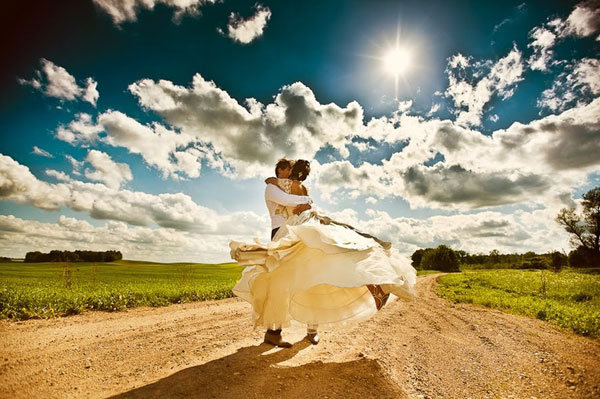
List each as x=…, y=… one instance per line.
x=325, y=220
x=271, y=180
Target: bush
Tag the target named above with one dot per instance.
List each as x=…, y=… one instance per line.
x=417, y=256
x=584, y=257
x=77, y=256
x=535, y=263
x=557, y=261
x=442, y=258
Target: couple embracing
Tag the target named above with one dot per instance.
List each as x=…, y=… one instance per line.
x=315, y=271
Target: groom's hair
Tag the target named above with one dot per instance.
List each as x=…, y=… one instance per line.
x=300, y=170
x=282, y=164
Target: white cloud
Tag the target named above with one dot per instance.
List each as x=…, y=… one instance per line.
x=246, y=30
x=573, y=87
x=127, y=10
x=583, y=21
x=111, y=173
x=435, y=107
x=58, y=175
x=478, y=232
x=75, y=164
x=170, y=152
x=177, y=211
x=252, y=138
x=20, y=236
x=536, y=163
x=459, y=61
x=55, y=81
x=82, y=130
x=494, y=117
x=471, y=93
x=404, y=106
x=543, y=41
x=43, y=153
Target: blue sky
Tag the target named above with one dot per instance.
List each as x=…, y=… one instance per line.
x=129, y=127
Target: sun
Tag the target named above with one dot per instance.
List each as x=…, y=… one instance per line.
x=397, y=60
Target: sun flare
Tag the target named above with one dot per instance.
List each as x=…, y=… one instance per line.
x=397, y=61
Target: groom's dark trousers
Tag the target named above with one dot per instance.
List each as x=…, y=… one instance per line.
x=273, y=232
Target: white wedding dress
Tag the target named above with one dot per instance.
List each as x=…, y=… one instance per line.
x=317, y=274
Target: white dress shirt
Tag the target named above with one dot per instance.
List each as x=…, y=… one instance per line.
x=275, y=196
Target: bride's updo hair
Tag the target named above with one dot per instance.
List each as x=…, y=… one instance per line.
x=300, y=170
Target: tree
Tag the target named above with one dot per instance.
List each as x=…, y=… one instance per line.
x=494, y=257
x=417, y=256
x=557, y=261
x=583, y=257
x=584, y=228
x=441, y=258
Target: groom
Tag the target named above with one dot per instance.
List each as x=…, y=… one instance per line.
x=274, y=196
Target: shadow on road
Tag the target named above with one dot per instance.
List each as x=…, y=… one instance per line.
x=250, y=373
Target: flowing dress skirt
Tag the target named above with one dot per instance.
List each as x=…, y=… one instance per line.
x=317, y=274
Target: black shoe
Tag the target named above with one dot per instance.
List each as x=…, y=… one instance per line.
x=313, y=338
x=274, y=338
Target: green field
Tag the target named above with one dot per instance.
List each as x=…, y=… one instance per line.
x=44, y=290
x=570, y=299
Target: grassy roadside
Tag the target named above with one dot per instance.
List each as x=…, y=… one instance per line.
x=570, y=299
x=426, y=272
x=45, y=290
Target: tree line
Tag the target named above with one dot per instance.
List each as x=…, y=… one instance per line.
x=584, y=228
x=446, y=259
x=73, y=256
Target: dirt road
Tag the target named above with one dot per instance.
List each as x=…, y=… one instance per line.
x=426, y=349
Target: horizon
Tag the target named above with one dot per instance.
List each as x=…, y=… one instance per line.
x=150, y=130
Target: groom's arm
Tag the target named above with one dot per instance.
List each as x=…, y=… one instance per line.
x=277, y=195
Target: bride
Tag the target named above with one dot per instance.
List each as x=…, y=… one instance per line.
x=318, y=271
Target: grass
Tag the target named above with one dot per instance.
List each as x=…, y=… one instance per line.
x=570, y=299
x=426, y=272
x=45, y=290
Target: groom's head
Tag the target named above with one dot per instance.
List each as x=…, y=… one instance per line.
x=283, y=168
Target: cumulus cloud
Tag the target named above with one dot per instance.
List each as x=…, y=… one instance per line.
x=111, y=173
x=470, y=92
x=82, y=130
x=177, y=211
x=478, y=232
x=246, y=30
x=127, y=10
x=253, y=137
x=38, y=151
x=584, y=20
x=135, y=242
x=55, y=81
x=443, y=185
x=538, y=162
x=170, y=152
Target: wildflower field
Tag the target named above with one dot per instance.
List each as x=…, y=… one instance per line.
x=570, y=298
x=44, y=290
